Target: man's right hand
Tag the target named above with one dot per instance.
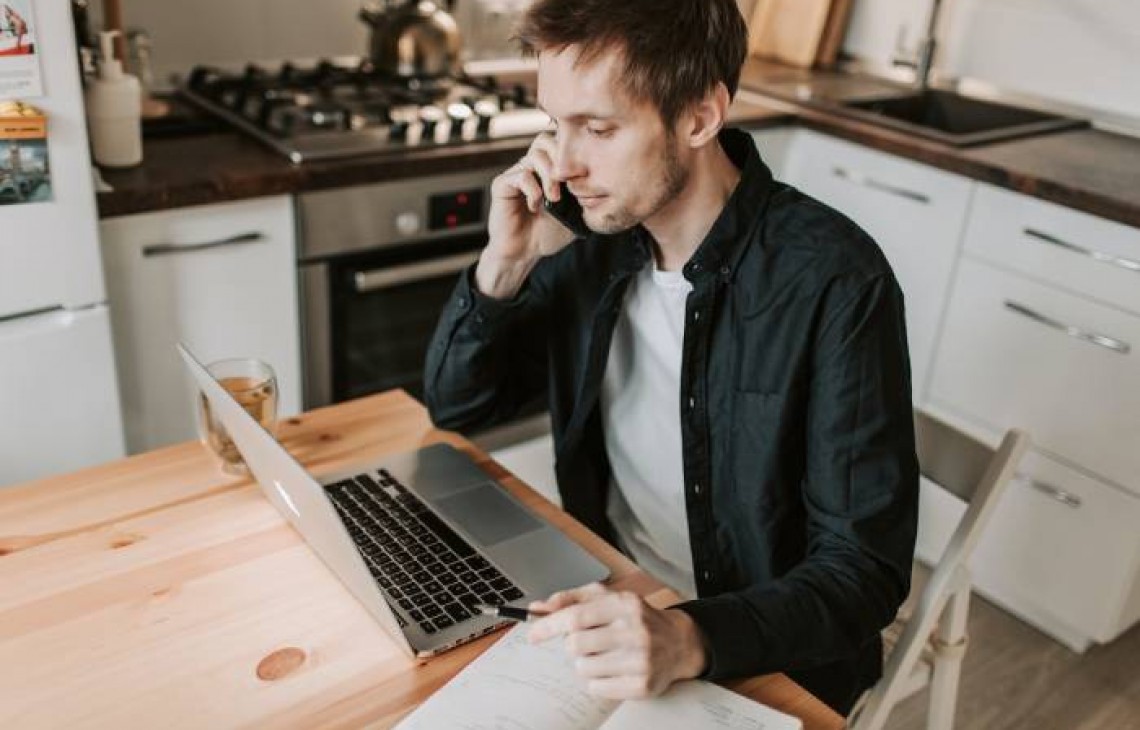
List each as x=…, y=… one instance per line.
x=520, y=231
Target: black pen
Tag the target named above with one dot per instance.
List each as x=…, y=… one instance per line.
x=508, y=612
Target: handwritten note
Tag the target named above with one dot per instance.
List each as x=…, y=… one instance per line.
x=519, y=686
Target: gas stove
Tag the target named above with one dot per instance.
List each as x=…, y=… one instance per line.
x=346, y=108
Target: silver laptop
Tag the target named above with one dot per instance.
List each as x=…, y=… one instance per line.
x=418, y=538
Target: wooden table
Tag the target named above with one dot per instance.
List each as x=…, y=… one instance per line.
x=156, y=591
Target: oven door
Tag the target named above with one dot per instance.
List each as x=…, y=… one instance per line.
x=379, y=312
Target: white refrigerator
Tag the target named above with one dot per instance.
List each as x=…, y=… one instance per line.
x=59, y=400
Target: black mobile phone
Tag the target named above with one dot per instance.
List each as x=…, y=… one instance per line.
x=567, y=211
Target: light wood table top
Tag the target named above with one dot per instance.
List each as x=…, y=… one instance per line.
x=157, y=591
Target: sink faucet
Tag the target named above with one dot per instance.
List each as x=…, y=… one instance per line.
x=922, y=60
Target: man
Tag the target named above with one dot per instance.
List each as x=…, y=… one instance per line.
x=724, y=360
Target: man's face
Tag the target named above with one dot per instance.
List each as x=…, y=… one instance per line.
x=615, y=153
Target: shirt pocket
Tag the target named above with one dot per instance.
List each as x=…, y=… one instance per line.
x=767, y=453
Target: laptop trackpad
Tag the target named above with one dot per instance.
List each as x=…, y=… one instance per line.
x=488, y=514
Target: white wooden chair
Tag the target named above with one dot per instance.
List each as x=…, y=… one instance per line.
x=932, y=640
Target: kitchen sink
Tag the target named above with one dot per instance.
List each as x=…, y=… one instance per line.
x=954, y=119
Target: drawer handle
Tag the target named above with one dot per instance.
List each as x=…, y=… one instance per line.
x=165, y=249
x=1111, y=343
x=1066, y=498
x=1107, y=258
x=869, y=182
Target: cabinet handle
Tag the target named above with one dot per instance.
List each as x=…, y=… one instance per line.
x=1066, y=498
x=1108, y=258
x=367, y=281
x=164, y=249
x=1111, y=343
x=869, y=182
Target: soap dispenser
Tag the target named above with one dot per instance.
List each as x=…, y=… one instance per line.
x=114, y=110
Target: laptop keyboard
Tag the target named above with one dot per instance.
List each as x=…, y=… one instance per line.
x=424, y=567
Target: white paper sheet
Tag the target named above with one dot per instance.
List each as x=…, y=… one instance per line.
x=519, y=686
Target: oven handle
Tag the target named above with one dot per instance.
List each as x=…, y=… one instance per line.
x=367, y=281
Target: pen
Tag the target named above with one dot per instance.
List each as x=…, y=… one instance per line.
x=508, y=612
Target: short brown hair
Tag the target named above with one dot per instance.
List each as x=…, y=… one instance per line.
x=675, y=51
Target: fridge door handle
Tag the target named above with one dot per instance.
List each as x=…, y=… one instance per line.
x=165, y=249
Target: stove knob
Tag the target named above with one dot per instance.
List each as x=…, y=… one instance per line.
x=430, y=116
x=408, y=223
x=398, y=130
x=458, y=114
x=485, y=110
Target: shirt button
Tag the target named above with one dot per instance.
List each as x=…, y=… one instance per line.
x=697, y=489
x=462, y=303
x=696, y=316
x=724, y=271
x=707, y=575
x=692, y=403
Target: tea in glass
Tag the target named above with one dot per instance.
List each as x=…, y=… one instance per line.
x=253, y=385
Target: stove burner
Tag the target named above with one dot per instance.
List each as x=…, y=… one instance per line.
x=333, y=110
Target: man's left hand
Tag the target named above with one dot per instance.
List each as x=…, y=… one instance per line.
x=623, y=647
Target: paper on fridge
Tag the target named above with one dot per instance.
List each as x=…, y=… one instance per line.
x=525, y=686
x=19, y=51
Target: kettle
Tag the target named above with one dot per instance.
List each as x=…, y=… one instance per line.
x=413, y=39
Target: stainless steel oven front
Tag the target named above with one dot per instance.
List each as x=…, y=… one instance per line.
x=377, y=263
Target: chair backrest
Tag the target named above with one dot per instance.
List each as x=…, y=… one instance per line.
x=977, y=474
x=969, y=469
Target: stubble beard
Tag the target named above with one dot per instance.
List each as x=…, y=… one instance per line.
x=674, y=179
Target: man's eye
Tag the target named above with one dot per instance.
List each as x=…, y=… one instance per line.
x=600, y=131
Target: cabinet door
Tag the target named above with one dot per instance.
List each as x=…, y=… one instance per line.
x=915, y=213
x=222, y=279
x=1015, y=352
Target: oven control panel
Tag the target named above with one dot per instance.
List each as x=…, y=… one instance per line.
x=452, y=210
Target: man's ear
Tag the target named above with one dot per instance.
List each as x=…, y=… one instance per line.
x=707, y=116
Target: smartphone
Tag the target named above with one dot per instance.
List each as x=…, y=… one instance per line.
x=567, y=211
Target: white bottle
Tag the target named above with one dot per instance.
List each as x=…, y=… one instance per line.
x=114, y=110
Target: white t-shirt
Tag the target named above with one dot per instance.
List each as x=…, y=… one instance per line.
x=640, y=403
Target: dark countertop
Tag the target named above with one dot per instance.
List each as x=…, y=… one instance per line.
x=1090, y=170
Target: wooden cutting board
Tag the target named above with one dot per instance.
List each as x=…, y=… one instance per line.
x=834, y=33
x=788, y=30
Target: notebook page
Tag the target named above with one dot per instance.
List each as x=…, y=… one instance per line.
x=513, y=686
x=699, y=704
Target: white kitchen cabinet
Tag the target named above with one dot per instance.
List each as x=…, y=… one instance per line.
x=1073, y=251
x=773, y=145
x=914, y=212
x=1016, y=352
x=1040, y=333
x=222, y=279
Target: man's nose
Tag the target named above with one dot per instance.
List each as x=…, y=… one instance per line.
x=567, y=162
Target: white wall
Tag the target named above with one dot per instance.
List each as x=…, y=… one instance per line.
x=1083, y=52
x=228, y=32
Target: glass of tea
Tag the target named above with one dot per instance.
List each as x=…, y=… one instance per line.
x=253, y=384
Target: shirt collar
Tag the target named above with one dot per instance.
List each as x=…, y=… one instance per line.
x=722, y=247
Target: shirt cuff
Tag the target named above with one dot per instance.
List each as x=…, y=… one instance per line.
x=480, y=313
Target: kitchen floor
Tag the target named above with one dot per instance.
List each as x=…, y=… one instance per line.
x=1013, y=678
x=1016, y=678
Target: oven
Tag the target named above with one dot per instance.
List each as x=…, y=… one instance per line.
x=377, y=264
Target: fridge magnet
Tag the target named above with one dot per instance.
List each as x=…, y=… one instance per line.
x=19, y=51
x=25, y=176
